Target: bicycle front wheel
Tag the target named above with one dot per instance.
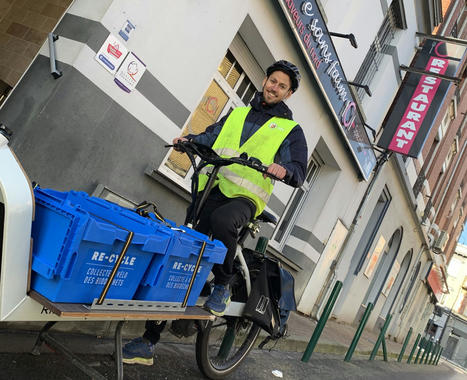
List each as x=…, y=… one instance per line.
x=222, y=345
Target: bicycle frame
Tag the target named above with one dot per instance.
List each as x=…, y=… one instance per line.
x=234, y=308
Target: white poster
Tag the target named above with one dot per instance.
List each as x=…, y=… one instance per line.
x=375, y=256
x=391, y=278
x=111, y=54
x=130, y=72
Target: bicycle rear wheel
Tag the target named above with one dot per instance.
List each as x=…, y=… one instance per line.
x=222, y=345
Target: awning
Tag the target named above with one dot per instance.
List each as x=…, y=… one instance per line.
x=437, y=282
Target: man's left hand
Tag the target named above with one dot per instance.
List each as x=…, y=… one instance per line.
x=276, y=170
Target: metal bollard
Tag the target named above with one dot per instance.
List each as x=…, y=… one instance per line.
x=434, y=353
x=322, y=322
x=439, y=355
x=414, y=348
x=381, y=337
x=385, y=351
x=406, y=341
x=359, y=331
x=420, y=348
x=426, y=353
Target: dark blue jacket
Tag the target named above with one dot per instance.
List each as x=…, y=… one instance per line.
x=292, y=153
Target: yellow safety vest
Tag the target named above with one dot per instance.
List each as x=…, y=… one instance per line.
x=241, y=181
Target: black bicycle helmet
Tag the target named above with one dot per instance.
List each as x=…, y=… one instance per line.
x=289, y=68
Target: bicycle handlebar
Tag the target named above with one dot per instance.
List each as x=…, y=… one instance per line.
x=210, y=157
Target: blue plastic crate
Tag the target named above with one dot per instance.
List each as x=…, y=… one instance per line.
x=107, y=210
x=168, y=281
x=74, y=252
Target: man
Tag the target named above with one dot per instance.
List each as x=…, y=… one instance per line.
x=265, y=131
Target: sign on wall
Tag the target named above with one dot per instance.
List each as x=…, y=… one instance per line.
x=312, y=34
x=111, y=54
x=130, y=72
x=419, y=99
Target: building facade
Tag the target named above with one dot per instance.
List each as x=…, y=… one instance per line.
x=361, y=217
x=448, y=325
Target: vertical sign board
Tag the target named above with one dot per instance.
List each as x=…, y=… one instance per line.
x=307, y=24
x=420, y=97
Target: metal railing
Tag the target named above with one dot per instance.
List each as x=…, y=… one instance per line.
x=378, y=48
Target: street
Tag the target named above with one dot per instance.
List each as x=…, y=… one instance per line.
x=177, y=361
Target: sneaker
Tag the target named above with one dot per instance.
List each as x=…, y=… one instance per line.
x=218, y=300
x=138, y=351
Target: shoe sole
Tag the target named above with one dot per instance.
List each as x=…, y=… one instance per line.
x=218, y=313
x=142, y=361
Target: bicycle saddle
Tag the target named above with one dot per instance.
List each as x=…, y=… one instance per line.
x=267, y=217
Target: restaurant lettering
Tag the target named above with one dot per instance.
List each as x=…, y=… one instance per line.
x=418, y=106
x=420, y=97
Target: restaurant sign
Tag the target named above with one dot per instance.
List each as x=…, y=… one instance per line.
x=420, y=97
x=307, y=24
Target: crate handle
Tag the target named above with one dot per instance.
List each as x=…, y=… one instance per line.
x=156, y=277
x=44, y=269
x=69, y=265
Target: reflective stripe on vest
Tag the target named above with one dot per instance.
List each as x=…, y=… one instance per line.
x=241, y=181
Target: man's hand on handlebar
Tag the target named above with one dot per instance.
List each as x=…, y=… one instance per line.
x=178, y=140
x=275, y=170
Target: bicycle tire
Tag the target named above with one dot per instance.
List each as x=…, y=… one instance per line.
x=217, y=355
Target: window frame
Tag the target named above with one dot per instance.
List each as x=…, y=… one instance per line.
x=314, y=166
x=234, y=100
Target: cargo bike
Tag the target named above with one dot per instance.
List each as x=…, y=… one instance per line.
x=120, y=265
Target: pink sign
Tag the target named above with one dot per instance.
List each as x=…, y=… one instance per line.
x=418, y=106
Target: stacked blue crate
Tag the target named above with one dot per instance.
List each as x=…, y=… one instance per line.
x=169, y=282
x=78, y=237
x=75, y=249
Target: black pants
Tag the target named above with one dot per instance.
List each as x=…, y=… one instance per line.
x=222, y=217
x=153, y=330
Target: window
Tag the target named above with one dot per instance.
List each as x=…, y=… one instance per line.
x=234, y=84
x=296, y=202
x=394, y=19
x=411, y=284
x=373, y=224
x=451, y=153
x=443, y=127
x=454, y=32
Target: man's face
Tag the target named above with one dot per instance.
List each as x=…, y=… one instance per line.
x=276, y=87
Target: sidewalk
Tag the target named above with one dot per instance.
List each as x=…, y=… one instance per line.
x=335, y=338
x=98, y=338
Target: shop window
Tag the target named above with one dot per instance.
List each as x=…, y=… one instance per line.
x=411, y=285
x=297, y=201
x=373, y=224
x=232, y=86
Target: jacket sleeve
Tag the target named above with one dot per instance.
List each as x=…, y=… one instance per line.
x=293, y=156
x=210, y=134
